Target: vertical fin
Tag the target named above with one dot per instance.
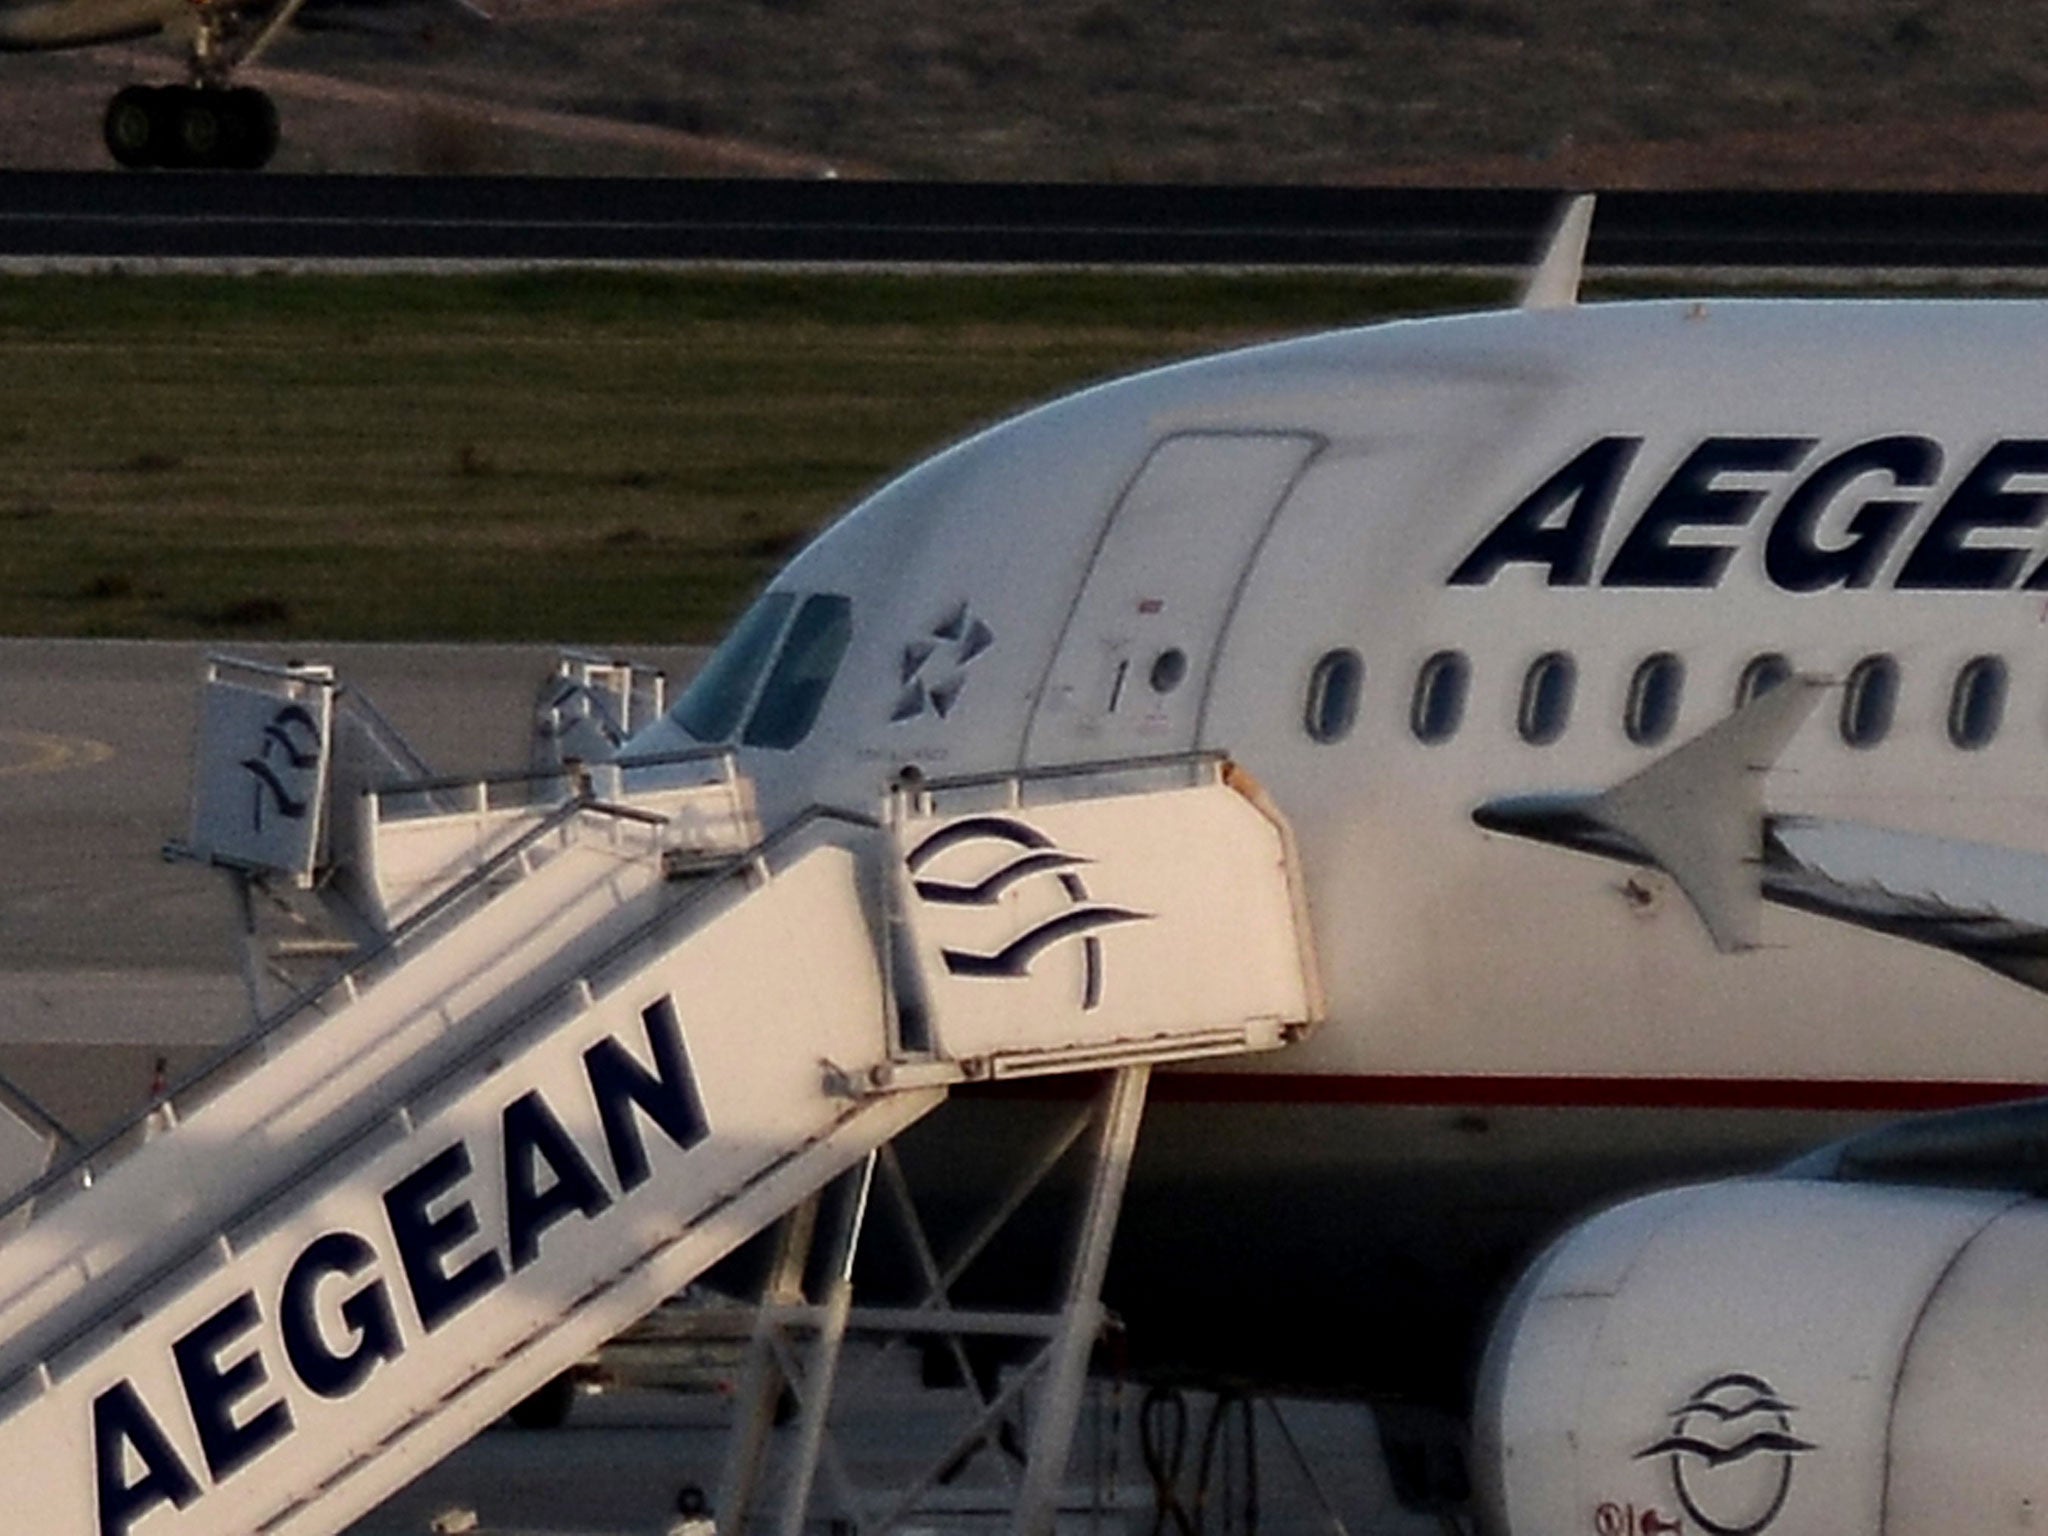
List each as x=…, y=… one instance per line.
x=1554, y=280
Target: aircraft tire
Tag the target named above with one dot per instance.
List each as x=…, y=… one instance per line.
x=256, y=129
x=202, y=132
x=136, y=127
x=547, y=1405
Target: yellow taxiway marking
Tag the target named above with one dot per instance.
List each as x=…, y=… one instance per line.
x=26, y=752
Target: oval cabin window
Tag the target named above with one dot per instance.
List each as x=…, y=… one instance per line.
x=1868, y=701
x=1763, y=673
x=1438, y=708
x=1333, y=689
x=1977, y=706
x=1653, y=695
x=1546, y=706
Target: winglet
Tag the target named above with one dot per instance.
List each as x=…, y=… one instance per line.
x=1698, y=810
x=1554, y=280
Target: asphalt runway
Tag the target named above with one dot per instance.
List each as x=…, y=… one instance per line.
x=60, y=217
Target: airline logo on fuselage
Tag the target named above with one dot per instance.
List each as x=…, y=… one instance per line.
x=1824, y=516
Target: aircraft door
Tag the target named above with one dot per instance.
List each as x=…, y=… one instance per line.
x=1134, y=663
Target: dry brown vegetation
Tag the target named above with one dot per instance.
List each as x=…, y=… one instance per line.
x=1940, y=93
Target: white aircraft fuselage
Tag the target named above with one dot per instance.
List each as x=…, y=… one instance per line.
x=1317, y=539
x=34, y=26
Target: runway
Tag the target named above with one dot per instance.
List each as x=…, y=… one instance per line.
x=106, y=218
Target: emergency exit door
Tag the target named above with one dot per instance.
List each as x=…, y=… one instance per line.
x=1134, y=662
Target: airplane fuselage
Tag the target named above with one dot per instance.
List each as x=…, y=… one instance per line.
x=1398, y=572
x=35, y=26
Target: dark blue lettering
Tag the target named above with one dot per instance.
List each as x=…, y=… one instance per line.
x=1944, y=560
x=534, y=1139
x=1532, y=535
x=121, y=1424
x=1693, y=498
x=213, y=1390
x=668, y=1095
x=365, y=1312
x=424, y=1242
x=1791, y=557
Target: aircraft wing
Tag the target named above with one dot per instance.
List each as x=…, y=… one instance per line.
x=385, y=18
x=1984, y=902
x=1697, y=814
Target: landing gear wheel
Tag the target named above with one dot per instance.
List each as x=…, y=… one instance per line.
x=255, y=119
x=202, y=128
x=135, y=127
x=546, y=1406
x=192, y=127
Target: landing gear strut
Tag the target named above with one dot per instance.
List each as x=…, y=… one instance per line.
x=210, y=123
x=200, y=127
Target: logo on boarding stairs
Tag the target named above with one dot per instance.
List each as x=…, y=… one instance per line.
x=1010, y=862
x=281, y=766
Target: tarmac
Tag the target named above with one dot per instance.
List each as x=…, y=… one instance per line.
x=618, y=1465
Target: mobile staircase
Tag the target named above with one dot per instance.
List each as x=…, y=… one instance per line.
x=602, y=1030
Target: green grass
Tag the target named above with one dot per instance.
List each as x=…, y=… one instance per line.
x=602, y=457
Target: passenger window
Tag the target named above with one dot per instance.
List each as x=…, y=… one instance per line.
x=1762, y=674
x=1438, y=708
x=810, y=657
x=1653, y=695
x=1868, y=700
x=1546, y=706
x=1977, y=706
x=712, y=705
x=1333, y=689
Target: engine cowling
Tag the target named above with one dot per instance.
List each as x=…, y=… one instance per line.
x=1786, y=1355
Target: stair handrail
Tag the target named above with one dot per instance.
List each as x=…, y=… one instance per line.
x=708, y=883
x=65, y=1175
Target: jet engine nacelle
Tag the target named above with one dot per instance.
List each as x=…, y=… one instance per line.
x=1783, y=1355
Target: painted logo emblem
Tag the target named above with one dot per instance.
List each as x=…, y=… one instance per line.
x=290, y=750
x=934, y=666
x=1731, y=1452
x=1000, y=862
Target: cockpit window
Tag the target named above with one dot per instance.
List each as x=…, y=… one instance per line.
x=803, y=672
x=711, y=706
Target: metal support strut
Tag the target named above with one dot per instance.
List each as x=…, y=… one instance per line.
x=1081, y=1318
x=779, y=1363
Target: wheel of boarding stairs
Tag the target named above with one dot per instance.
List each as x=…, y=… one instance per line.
x=546, y=1406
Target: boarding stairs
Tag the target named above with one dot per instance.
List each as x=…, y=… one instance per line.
x=601, y=1032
